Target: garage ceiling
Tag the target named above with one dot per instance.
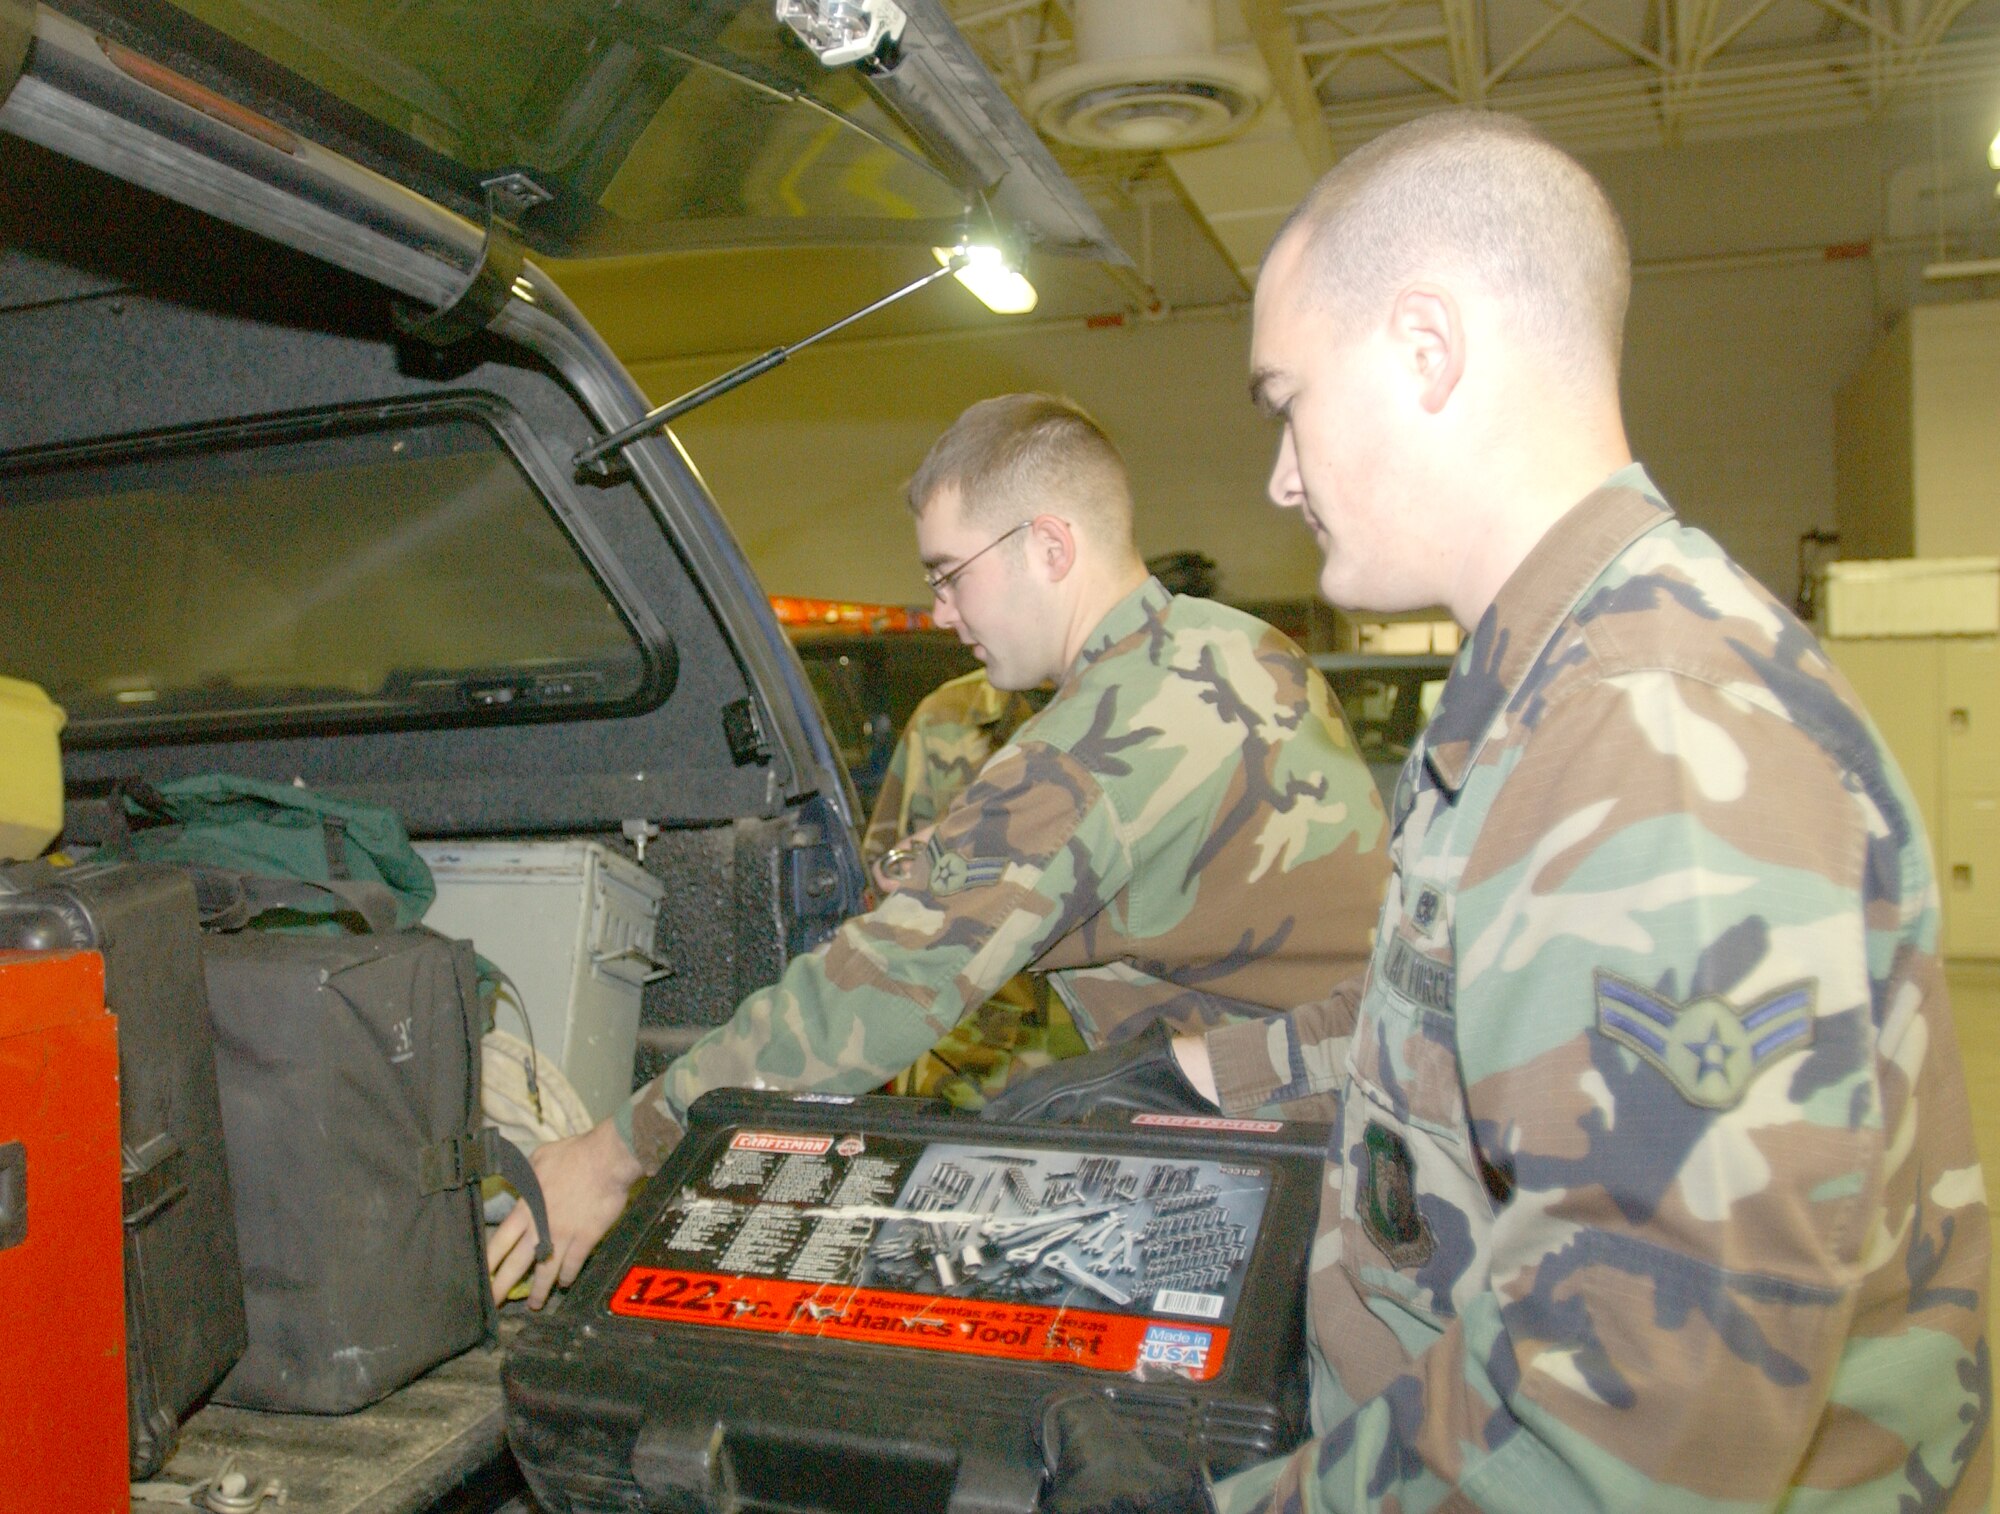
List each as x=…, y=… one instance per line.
x=1598, y=75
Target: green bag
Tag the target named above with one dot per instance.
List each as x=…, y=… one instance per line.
x=345, y=851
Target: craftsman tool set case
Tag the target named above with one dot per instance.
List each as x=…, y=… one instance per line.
x=848, y=1304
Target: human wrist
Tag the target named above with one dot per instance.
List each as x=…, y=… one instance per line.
x=1191, y=1056
x=612, y=1143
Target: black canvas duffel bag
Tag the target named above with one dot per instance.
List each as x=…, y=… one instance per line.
x=349, y=1073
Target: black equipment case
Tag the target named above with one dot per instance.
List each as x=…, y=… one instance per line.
x=848, y=1304
x=184, y=1318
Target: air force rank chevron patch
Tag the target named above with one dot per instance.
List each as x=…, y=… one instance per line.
x=952, y=871
x=1709, y=1049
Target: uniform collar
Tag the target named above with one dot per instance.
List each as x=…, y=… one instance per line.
x=1532, y=604
x=1145, y=608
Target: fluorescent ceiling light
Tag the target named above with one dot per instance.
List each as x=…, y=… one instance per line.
x=996, y=284
x=1974, y=268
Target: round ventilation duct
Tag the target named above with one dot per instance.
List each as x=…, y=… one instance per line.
x=1147, y=77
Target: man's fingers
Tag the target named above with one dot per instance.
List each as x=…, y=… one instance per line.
x=543, y=1286
x=584, y=1180
x=505, y=1236
x=509, y=1254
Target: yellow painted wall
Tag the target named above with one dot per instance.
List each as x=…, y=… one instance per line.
x=1749, y=310
x=808, y=462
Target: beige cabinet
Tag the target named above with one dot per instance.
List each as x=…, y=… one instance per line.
x=1916, y=450
x=1969, y=864
x=1936, y=701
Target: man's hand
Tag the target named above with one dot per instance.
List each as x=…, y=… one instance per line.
x=1098, y=1465
x=585, y=1182
x=1140, y=1074
x=900, y=866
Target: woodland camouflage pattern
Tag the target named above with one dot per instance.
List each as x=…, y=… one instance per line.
x=1185, y=832
x=1022, y=1027
x=1654, y=1185
x=947, y=741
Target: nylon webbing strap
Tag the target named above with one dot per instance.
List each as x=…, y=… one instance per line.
x=334, y=830
x=461, y=1160
x=451, y=1163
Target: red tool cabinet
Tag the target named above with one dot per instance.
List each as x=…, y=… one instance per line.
x=62, y=1354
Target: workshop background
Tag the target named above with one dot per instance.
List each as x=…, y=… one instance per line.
x=1814, y=343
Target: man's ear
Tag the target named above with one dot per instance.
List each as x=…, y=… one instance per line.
x=1430, y=329
x=1052, y=546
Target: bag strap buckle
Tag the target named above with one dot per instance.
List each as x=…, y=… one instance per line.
x=461, y=1160
x=456, y=1162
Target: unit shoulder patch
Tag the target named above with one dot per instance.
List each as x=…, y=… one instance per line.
x=1708, y=1048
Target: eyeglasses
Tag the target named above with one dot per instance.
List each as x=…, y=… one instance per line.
x=940, y=583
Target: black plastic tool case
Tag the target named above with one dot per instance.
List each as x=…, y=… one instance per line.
x=184, y=1323
x=859, y=1304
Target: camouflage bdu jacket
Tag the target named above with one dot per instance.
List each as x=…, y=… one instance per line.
x=1654, y=1185
x=1185, y=832
x=947, y=741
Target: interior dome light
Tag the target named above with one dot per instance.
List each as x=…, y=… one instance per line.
x=994, y=281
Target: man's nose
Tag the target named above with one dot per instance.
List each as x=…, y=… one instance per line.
x=942, y=613
x=1284, y=488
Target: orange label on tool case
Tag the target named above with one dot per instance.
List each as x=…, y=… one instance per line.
x=973, y=1327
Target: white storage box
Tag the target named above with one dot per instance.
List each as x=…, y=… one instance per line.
x=571, y=922
x=1914, y=596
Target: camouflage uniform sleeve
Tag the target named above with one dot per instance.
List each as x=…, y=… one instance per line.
x=1289, y=1065
x=1031, y=850
x=1639, y=1269
x=889, y=822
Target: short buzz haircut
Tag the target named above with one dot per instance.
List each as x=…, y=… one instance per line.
x=1482, y=194
x=1015, y=456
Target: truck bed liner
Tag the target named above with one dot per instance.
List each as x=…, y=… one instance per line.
x=438, y=1444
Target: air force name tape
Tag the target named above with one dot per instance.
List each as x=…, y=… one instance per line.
x=1710, y=1050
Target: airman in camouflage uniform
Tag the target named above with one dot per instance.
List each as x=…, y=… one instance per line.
x=1185, y=833
x=1653, y=1184
x=946, y=742
x=1656, y=1177
x=1022, y=1026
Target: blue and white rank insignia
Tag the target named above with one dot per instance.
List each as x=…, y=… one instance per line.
x=953, y=870
x=1708, y=1048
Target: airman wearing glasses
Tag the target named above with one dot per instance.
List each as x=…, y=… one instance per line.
x=1184, y=837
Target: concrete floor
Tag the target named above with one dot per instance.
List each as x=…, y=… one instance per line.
x=1975, y=1005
